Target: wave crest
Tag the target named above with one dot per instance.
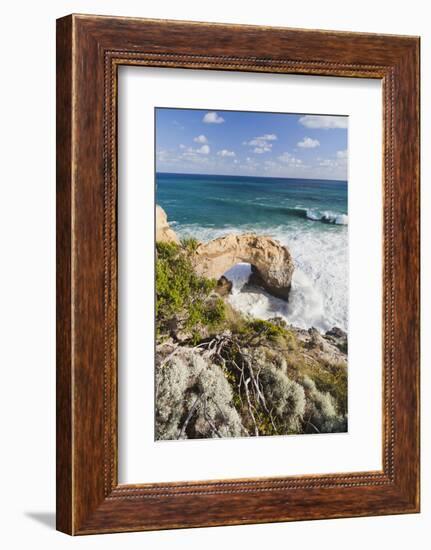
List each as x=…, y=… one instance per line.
x=312, y=214
x=326, y=216
x=319, y=294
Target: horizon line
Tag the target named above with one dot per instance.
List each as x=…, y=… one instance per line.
x=242, y=176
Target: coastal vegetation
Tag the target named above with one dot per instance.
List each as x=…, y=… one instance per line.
x=220, y=373
x=184, y=299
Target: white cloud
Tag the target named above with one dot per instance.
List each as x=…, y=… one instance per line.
x=161, y=153
x=263, y=149
x=308, y=143
x=191, y=152
x=226, y=153
x=200, y=139
x=212, y=118
x=289, y=159
x=340, y=160
x=204, y=150
x=261, y=141
x=334, y=167
x=286, y=166
x=261, y=144
x=328, y=163
x=323, y=121
x=257, y=142
x=268, y=137
x=165, y=155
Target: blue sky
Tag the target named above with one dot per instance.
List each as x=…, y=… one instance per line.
x=243, y=143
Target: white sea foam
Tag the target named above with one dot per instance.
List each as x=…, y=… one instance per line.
x=327, y=216
x=239, y=275
x=319, y=294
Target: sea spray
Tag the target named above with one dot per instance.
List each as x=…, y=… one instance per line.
x=319, y=290
x=309, y=217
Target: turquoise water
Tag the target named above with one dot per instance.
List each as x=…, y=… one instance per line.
x=308, y=216
x=218, y=201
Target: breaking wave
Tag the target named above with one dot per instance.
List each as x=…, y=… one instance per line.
x=327, y=216
x=319, y=293
x=312, y=214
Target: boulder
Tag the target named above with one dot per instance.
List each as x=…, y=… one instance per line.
x=323, y=347
x=338, y=337
x=224, y=286
x=271, y=262
x=278, y=321
x=164, y=233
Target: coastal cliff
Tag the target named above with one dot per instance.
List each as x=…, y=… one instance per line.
x=272, y=264
x=222, y=374
x=164, y=233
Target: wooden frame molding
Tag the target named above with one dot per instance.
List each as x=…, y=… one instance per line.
x=89, y=51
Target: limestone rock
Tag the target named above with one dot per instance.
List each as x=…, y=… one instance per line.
x=270, y=261
x=224, y=286
x=323, y=347
x=164, y=233
x=337, y=337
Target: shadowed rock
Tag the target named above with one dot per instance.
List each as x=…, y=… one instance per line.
x=224, y=286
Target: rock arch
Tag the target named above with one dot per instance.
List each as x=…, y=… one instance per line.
x=271, y=262
x=272, y=265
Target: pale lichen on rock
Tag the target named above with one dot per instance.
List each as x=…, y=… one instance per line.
x=220, y=373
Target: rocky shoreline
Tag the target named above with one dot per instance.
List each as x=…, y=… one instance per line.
x=220, y=374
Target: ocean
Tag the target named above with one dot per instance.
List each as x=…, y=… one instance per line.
x=308, y=216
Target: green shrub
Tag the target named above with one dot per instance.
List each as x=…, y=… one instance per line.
x=182, y=296
x=266, y=328
x=334, y=381
x=322, y=411
x=259, y=331
x=189, y=244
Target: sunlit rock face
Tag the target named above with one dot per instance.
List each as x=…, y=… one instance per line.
x=272, y=264
x=164, y=233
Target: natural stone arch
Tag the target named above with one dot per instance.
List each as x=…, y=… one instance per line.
x=271, y=262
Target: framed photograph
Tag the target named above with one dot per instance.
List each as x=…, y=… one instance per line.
x=237, y=274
